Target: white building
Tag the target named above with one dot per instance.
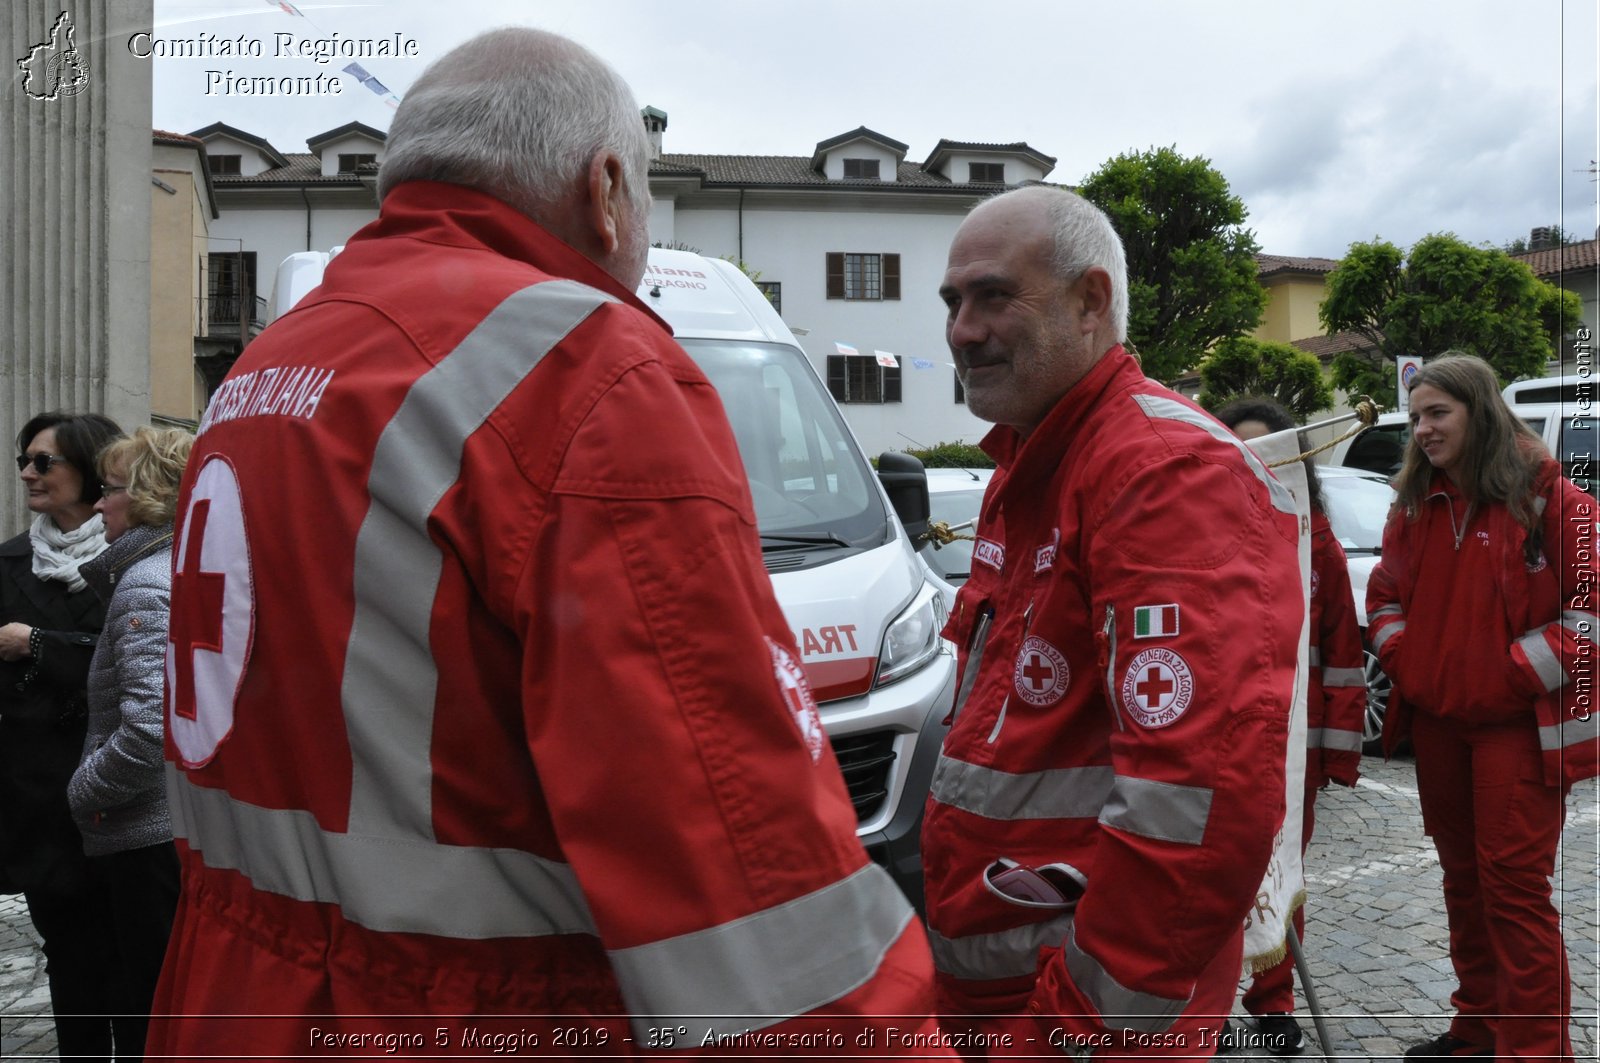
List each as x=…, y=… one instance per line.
x=849, y=243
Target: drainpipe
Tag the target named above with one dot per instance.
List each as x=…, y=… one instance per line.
x=741, y=225
x=307, y=198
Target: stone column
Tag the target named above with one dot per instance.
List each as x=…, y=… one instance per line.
x=75, y=235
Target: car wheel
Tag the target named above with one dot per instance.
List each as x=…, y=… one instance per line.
x=1378, y=688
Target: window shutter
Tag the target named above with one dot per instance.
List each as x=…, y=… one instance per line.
x=891, y=382
x=891, y=277
x=836, y=375
x=835, y=274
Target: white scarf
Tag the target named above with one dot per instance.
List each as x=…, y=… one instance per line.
x=57, y=554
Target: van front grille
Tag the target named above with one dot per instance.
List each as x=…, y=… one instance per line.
x=866, y=760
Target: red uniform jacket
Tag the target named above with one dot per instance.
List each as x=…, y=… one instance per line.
x=481, y=704
x=1128, y=645
x=1548, y=594
x=1336, y=687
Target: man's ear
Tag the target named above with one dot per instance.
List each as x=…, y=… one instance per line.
x=1094, y=295
x=607, y=191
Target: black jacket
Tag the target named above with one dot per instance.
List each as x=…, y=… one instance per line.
x=42, y=721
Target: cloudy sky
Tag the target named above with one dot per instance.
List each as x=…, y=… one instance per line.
x=1335, y=122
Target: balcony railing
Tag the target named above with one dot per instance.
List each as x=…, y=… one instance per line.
x=222, y=311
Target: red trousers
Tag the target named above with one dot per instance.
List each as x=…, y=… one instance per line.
x=1194, y=1034
x=1273, y=989
x=1496, y=826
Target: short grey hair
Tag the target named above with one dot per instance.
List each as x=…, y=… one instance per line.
x=1084, y=238
x=517, y=113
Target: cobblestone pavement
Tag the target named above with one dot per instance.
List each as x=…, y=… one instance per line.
x=1375, y=930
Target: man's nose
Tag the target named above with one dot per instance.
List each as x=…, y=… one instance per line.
x=965, y=329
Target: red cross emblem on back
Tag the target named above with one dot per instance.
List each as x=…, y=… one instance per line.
x=196, y=611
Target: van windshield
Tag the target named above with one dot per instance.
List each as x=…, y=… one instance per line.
x=807, y=477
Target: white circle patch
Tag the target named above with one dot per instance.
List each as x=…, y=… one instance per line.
x=1157, y=688
x=1042, y=674
x=213, y=614
x=797, y=696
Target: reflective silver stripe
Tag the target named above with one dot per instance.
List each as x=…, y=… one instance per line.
x=1172, y=410
x=1344, y=677
x=1333, y=738
x=1161, y=810
x=384, y=884
x=1059, y=793
x=1539, y=502
x=1002, y=954
x=1543, y=660
x=1120, y=1008
x=1387, y=632
x=1580, y=623
x=390, y=678
x=1314, y=657
x=1392, y=609
x=766, y=967
x=1571, y=733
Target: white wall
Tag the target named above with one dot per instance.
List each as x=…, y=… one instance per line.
x=251, y=159
x=789, y=245
x=275, y=232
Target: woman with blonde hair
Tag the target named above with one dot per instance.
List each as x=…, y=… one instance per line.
x=118, y=794
x=1480, y=611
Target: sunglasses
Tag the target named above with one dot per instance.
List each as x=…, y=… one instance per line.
x=41, y=462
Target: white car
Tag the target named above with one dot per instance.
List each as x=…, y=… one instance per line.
x=954, y=496
x=1357, y=503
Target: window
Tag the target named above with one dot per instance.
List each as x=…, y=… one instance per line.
x=961, y=392
x=348, y=163
x=856, y=275
x=773, y=290
x=859, y=378
x=231, y=289
x=863, y=168
x=223, y=164
x=991, y=173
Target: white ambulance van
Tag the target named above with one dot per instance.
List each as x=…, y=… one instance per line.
x=843, y=566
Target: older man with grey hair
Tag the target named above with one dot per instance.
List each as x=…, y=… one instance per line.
x=480, y=701
x=1105, y=805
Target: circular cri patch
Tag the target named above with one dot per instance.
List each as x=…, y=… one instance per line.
x=1157, y=688
x=1042, y=674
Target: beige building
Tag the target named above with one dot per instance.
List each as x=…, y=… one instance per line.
x=182, y=206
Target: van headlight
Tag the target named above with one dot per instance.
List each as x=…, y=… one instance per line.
x=913, y=639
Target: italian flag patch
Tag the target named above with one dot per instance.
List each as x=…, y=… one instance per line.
x=1155, y=621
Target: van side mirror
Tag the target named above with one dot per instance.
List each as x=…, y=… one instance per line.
x=906, y=481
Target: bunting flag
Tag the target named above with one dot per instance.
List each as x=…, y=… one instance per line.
x=887, y=360
x=844, y=348
x=921, y=363
x=379, y=89
x=286, y=7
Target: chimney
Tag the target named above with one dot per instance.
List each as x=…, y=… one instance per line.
x=1541, y=239
x=655, y=123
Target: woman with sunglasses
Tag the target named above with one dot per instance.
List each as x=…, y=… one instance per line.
x=49, y=625
x=119, y=793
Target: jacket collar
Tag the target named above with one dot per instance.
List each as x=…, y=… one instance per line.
x=1025, y=459
x=135, y=544
x=458, y=216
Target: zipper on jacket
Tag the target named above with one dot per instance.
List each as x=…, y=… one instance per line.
x=1027, y=625
x=1110, y=631
x=980, y=638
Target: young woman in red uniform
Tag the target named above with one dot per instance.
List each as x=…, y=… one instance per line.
x=1480, y=612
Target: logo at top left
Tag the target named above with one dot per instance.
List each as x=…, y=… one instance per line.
x=53, y=68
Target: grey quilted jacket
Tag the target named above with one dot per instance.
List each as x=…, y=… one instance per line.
x=119, y=792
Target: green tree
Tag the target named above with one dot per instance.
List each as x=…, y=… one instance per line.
x=1444, y=295
x=1245, y=366
x=1191, y=263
